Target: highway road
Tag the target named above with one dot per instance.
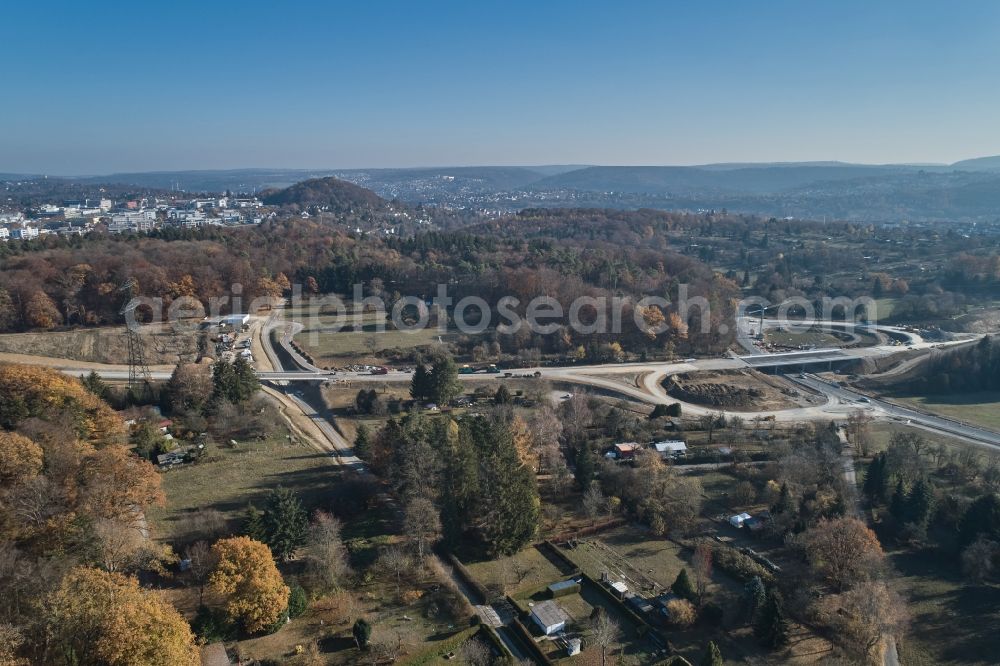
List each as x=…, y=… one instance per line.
x=642, y=382
x=888, y=410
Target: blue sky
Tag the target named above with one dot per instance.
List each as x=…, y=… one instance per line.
x=96, y=86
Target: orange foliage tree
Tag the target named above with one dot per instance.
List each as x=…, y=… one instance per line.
x=246, y=576
x=96, y=617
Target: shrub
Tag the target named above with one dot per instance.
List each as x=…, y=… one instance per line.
x=297, y=601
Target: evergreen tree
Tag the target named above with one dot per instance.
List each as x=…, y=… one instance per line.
x=712, y=655
x=363, y=443
x=362, y=632
x=509, y=504
x=234, y=382
x=897, y=506
x=785, y=503
x=981, y=518
x=95, y=384
x=875, y=479
x=444, y=386
x=771, y=628
x=682, y=586
x=282, y=524
x=754, y=597
x=586, y=466
x=246, y=382
x=502, y=396
x=420, y=384
x=919, y=504
x=459, y=493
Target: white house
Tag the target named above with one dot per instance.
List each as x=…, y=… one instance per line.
x=671, y=448
x=549, y=617
x=739, y=519
x=4, y=233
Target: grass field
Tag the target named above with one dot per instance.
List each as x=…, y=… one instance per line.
x=882, y=431
x=883, y=309
x=164, y=345
x=325, y=344
x=981, y=408
x=949, y=617
x=522, y=571
x=230, y=478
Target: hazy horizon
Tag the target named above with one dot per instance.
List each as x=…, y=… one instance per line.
x=187, y=86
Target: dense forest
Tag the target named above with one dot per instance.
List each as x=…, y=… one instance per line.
x=50, y=285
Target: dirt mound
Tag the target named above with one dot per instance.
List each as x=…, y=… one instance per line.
x=742, y=390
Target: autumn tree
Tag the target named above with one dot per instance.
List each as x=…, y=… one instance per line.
x=593, y=502
x=843, y=551
x=681, y=612
x=189, y=388
x=118, y=485
x=978, y=559
x=40, y=311
x=43, y=393
x=246, y=577
x=101, y=618
x=20, y=459
x=865, y=615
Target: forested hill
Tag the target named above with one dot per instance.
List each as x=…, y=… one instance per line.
x=974, y=368
x=330, y=194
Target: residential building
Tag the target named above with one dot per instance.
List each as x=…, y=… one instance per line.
x=24, y=233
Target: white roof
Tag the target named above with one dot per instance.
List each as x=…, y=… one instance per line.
x=620, y=587
x=670, y=445
x=549, y=614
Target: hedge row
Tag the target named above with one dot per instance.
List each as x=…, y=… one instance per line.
x=468, y=579
x=737, y=564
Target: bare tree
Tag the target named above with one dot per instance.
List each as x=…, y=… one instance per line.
x=593, y=502
x=395, y=561
x=121, y=546
x=701, y=563
x=604, y=633
x=423, y=525
x=476, y=653
x=325, y=554
x=859, y=431
x=866, y=615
